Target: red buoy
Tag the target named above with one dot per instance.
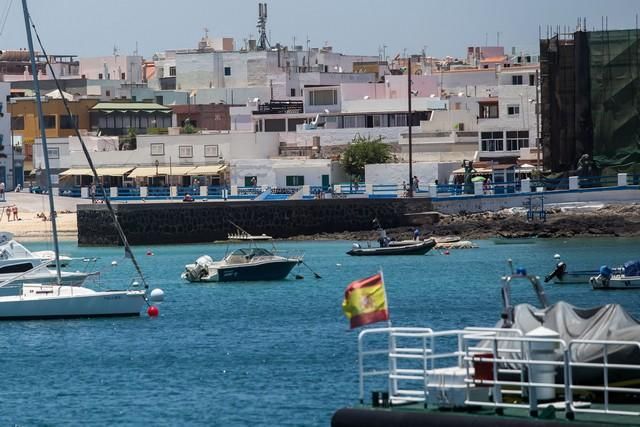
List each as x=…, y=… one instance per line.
x=153, y=311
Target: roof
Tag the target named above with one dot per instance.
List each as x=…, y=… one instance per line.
x=494, y=59
x=130, y=106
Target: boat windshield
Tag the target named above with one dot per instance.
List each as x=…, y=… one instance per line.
x=246, y=254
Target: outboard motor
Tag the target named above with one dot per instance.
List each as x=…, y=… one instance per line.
x=197, y=271
x=602, y=279
x=558, y=272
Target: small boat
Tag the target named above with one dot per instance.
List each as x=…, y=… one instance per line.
x=409, y=247
x=514, y=240
x=625, y=277
x=560, y=275
x=15, y=259
x=243, y=236
x=37, y=301
x=246, y=264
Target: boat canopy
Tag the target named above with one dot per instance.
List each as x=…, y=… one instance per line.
x=632, y=268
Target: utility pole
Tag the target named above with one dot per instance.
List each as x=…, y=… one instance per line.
x=537, y=120
x=409, y=122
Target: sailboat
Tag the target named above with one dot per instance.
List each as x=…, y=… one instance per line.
x=46, y=301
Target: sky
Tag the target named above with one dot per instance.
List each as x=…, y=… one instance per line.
x=362, y=27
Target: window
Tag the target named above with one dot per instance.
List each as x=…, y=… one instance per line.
x=293, y=91
x=227, y=71
x=532, y=79
x=250, y=181
x=107, y=93
x=68, y=122
x=160, y=99
x=172, y=71
x=54, y=152
x=157, y=149
x=17, y=123
x=185, y=151
x=100, y=76
x=513, y=110
x=123, y=76
x=49, y=122
x=517, y=140
x=491, y=141
x=294, y=180
x=516, y=80
x=211, y=151
x=323, y=97
x=488, y=110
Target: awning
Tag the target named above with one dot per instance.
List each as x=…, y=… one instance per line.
x=143, y=172
x=477, y=171
x=115, y=171
x=207, y=170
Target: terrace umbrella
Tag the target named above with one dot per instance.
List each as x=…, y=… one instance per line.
x=478, y=179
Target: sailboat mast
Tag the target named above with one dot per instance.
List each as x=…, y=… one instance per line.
x=43, y=134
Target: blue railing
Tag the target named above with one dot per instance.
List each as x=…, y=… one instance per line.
x=132, y=192
x=71, y=191
x=159, y=192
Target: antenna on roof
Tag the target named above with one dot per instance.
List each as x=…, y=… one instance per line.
x=263, y=42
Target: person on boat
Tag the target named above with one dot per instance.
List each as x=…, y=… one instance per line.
x=416, y=234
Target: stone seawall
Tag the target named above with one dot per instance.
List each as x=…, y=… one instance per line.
x=201, y=222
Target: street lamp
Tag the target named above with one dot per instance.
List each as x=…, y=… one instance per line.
x=409, y=95
x=157, y=163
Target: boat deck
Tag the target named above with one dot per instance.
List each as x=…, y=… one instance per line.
x=417, y=415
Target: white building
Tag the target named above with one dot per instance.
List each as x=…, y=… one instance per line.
x=126, y=68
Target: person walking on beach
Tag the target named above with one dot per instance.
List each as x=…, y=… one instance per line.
x=15, y=212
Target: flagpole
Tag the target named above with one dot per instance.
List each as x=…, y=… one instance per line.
x=392, y=342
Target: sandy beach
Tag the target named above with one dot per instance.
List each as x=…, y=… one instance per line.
x=31, y=227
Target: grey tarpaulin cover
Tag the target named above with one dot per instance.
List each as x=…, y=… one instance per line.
x=608, y=322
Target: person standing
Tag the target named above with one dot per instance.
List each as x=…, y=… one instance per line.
x=2, y=190
x=92, y=193
x=15, y=212
x=416, y=234
x=416, y=183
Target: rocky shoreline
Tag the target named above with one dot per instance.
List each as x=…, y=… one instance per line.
x=608, y=220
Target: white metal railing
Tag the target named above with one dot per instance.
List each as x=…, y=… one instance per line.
x=514, y=368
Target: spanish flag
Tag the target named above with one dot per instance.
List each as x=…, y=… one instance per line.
x=365, y=301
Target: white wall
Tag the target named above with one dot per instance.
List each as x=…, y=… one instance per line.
x=55, y=145
x=396, y=173
x=273, y=172
x=112, y=67
x=230, y=146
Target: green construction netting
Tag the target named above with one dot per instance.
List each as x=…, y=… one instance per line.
x=615, y=98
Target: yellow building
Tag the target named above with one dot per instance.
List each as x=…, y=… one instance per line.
x=24, y=120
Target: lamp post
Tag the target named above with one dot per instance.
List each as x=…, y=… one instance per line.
x=410, y=193
x=157, y=163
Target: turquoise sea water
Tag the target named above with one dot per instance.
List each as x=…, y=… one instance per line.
x=272, y=353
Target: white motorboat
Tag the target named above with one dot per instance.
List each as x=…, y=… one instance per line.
x=625, y=277
x=15, y=259
x=246, y=264
x=243, y=236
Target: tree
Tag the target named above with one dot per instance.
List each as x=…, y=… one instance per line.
x=364, y=151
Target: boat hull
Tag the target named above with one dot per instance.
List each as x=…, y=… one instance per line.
x=50, y=278
x=64, y=302
x=616, y=282
x=575, y=277
x=246, y=273
x=420, y=248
